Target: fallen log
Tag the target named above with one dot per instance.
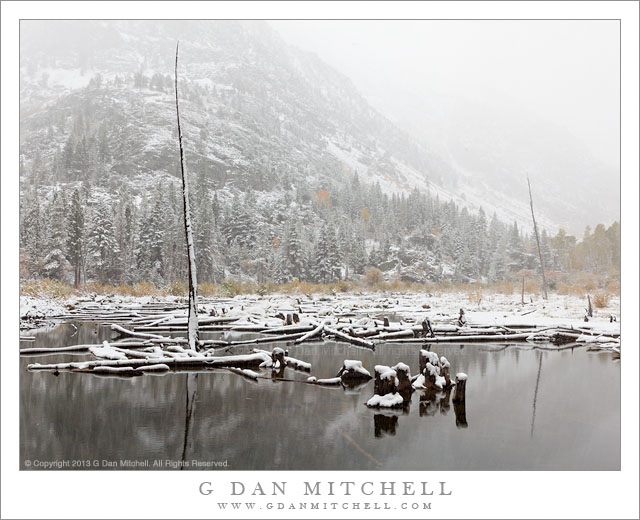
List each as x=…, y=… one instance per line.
x=311, y=334
x=350, y=339
x=269, y=339
x=127, y=332
x=248, y=360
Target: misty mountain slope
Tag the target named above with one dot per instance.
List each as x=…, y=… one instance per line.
x=252, y=106
x=492, y=150
x=273, y=141
x=256, y=111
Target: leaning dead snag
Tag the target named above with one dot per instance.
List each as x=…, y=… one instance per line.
x=191, y=255
x=535, y=229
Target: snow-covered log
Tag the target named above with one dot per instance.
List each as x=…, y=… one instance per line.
x=245, y=360
x=311, y=334
x=349, y=339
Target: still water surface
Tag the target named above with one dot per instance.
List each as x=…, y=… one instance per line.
x=572, y=421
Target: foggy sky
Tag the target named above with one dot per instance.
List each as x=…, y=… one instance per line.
x=562, y=72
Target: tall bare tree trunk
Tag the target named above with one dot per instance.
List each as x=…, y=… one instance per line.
x=191, y=255
x=535, y=229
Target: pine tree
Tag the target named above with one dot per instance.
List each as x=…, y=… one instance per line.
x=55, y=261
x=150, y=247
x=32, y=229
x=102, y=245
x=76, y=237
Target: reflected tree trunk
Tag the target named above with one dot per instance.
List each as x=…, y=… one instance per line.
x=191, y=392
x=535, y=394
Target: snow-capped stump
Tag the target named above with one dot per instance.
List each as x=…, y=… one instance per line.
x=461, y=385
x=403, y=376
x=385, y=380
x=390, y=400
x=418, y=382
x=352, y=371
x=444, y=371
x=277, y=357
x=427, y=356
x=433, y=378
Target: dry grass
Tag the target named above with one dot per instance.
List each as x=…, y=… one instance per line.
x=46, y=288
x=574, y=290
x=475, y=295
x=579, y=284
x=600, y=300
x=373, y=276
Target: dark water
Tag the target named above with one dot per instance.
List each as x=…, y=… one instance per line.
x=572, y=422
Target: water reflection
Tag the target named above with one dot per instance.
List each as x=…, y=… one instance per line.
x=217, y=415
x=191, y=394
x=384, y=424
x=460, y=409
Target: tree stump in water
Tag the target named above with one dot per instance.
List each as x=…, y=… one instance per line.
x=461, y=386
x=277, y=356
x=444, y=371
x=430, y=375
x=385, y=381
x=427, y=356
x=352, y=372
x=404, y=387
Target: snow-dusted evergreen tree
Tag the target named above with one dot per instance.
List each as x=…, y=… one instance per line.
x=55, y=261
x=320, y=267
x=292, y=251
x=239, y=225
x=151, y=244
x=32, y=232
x=75, y=231
x=102, y=245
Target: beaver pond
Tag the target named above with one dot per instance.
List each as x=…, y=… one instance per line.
x=526, y=409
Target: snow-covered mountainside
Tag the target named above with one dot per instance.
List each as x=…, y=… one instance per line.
x=294, y=174
x=250, y=100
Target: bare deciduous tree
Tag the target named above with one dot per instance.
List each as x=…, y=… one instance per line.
x=535, y=229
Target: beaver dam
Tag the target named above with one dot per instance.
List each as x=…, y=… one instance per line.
x=338, y=382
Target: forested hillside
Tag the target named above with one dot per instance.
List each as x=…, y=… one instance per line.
x=293, y=175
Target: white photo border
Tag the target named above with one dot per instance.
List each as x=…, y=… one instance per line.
x=479, y=494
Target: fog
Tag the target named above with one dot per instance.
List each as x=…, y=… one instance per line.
x=562, y=73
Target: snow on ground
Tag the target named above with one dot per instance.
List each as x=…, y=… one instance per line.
x=39, y=309
x=440, y=308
